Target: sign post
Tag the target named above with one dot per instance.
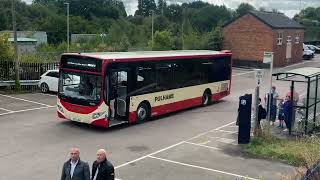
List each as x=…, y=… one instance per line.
x=258, y=77
x=268, y=58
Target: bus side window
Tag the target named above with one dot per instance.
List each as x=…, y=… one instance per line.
x=164, y=77
x=145, y=79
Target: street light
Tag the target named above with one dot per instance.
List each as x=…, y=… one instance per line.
x=68, y=41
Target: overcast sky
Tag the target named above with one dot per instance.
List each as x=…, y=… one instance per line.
x=289, y=7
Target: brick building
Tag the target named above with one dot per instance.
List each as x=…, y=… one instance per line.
x=249, y=35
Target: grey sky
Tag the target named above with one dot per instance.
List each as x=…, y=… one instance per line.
x=289, y=7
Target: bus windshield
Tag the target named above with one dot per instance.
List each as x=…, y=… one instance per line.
x=80, y=88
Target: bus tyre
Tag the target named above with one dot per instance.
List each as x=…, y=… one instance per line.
x=206, y=99
x=44, y=88
x=143, y=113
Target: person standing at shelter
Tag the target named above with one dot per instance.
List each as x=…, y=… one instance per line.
x=74, y=168
x=287, y=111
x=273, y=112
x=102, y=169
x=281, y=114
x=262, y=113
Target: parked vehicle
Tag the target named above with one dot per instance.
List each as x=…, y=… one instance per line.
x=49, y=81
x=314, y=48
x=307, y=53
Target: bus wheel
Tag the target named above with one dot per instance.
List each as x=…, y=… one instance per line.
x=44, y=88
x=142, y=113
x=206, y=98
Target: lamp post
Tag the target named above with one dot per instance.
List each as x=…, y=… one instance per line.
x=68, y=29
x=15, y=39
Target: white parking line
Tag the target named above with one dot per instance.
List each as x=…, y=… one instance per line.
x=210, y=147
x=203, y=168
x=47, y=94
x=5, y=109
x=24, y=110
x=25, y=100
x=230, y=132
x=169, y=147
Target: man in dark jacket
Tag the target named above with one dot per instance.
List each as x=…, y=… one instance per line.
x=102, y=169
x=74, y=168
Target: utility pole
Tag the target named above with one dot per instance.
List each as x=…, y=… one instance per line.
x=152, y=28
x=258, y=77
x=16, y=55
x=182, y=30
x=270, y=96
x=68, y=29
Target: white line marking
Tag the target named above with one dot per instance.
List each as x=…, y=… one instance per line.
x=143, y=157
x=25, y=100
x=224, y=126
x=5, y=109
x=169, y=147
x=210, y=147
x=25, y=110
x=204, y=143
x=231, y=132
x=47, y=94
x=227, y=141
x=204, y=168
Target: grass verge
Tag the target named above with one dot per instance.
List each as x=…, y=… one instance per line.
x=302, y=152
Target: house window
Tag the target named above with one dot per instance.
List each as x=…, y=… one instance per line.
x=279, y=38
x=289, y=39
x=297, y=37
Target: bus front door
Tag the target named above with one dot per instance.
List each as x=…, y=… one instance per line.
x=118, y=94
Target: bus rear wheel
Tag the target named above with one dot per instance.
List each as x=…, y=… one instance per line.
x=143, y=113
x=206, y=98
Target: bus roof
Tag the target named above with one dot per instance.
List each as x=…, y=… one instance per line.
x=149, y=54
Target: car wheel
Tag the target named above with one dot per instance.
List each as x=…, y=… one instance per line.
x=206, y=98
x=44, y=88
x=143, y=113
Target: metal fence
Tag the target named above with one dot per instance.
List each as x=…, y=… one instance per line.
x=28, y=72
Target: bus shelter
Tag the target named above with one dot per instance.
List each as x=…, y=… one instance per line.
x=306, y=112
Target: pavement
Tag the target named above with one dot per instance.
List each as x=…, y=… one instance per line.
x=199, y=143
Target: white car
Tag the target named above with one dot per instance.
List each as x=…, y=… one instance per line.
x=314, y=48
x=49, y=81
x=307, y=53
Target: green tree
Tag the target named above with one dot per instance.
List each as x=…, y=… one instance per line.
x=209, y=16
x=6, y=51
x=244, y=8
x=216, y=39
x=162, y=41
x=161, y=8
x=145, y=7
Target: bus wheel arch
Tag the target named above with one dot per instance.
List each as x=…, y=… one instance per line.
x=143, y=112
x=206, y=97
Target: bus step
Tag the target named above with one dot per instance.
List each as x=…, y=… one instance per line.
x=115, y=122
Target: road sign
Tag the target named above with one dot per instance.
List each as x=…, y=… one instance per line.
x=267, y=57
x=258, y=76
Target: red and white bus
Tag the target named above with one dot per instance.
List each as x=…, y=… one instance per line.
x=106, y=89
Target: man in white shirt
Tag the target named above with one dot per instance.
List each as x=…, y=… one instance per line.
x=74, y=168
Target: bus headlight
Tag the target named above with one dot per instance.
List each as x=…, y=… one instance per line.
x=60, y=108
x=97, y=115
